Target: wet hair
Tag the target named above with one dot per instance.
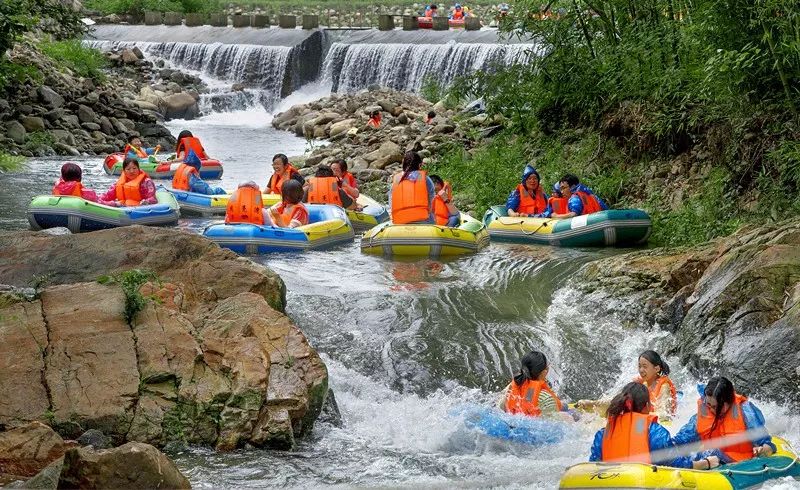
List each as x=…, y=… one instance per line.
x=531, y=366
x=634, y=397
x=433, y=6
x=292, y=191
x=342, y=164
x=376, y=113
x=437, y=180
x=431, y=114
x=283, y=158
x=323, y=171
x=133, y=137
x=571, y=180
x=71, y=172
x=183, y=134
x=130, y=160
x=655, y=359
x=721, y=389
x=411, y=161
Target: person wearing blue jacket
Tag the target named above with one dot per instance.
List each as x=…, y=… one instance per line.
x=721, y=412
x=528, y=199
x=196, y=183
x=580, y=198
x=631, y=434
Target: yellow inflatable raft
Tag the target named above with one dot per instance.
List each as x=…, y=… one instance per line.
x=433, y=241
x=745, y=474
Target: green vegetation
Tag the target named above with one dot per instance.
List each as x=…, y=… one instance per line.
x=38, y=139
x=71, y=54
x=9, y=163
x=138, y=7
x=131, y=281
x=689, y=110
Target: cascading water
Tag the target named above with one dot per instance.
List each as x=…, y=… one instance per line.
x=352, y=67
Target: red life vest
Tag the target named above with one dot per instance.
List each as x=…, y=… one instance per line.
x=531, y=204
x=190, y=143
x=324, y=190
x=440, y=211
x=458, y=14
x=245, y=206
x=180, y=181
x=128, y=190
x=77, y=190
x=525, y=399
x=590, y=203
x=289, y=212
x=410, y=199
x=627, y=438
x=351, y=181
x=139, y=152
x=732, y=423
x=558, y=205
x=375, y=122
x=276, y=181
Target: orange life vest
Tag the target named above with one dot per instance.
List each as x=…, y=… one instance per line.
x=374, y=122
x=627, y=438
x=76, y=190
x=558, y=205
x=276, y=181
x=529, y=204
x=525, y=399
x=410, y=199
x=245, y=206
x=732, y=423
x=351, y=181
x=655, y=393
x=324, y=190
x=181, y=179
x=458, y=14
x=590, y=203
x=440, y=211
x=139, y=152
x=190, y=143
x=128, y=190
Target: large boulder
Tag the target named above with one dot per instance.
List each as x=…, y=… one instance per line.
x=32, y=123
x=86, y=114
x=180, y=106
x=26, y=450
x=16, y=132
x=50, y=97
x=341, y=127
x=212, y=360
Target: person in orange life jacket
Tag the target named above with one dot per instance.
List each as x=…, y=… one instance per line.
x=411, y=193
x=134, y=149
x=133, y=188
x=290, y=212
x=246, y=206
x=188, y=142
x=530, y=394
x=375, y=119
x=70, y=183
x=431, y=11
x=187, y=177
x=631, y=434
x=528, y=199
x=346, y=179
x=325, y=188
x=722, y=412
x=580, y=199
x=557, y=202
x=430, y=117
x=458, y=12
x=283, y=172
x=654, y=374
x=444, y=211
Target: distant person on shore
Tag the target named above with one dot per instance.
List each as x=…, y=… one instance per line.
x=346, y=179
x=188, y=142
x=283, y=172
x=411, y=194
x=290, y=212
x=133, y=188
x=187, y=177
x=430, y=117
x=458, y=12
x=528, y=199
x=580, y=199
x=135, y=149
x=325, y=188
x=444, y=211
x=375, y=120
x=431, y=11
x=70, y=183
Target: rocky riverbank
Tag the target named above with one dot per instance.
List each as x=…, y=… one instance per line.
x=56, y=112
x=733, y=304
x=195, y=351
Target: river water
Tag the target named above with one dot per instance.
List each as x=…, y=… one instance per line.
x=407, y=342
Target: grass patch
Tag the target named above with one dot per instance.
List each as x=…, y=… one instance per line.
x=130, y=282
x=16, y=74
x=72, y=55
x=38, y=140
x=10, y=163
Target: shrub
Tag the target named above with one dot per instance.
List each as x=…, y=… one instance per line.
x=83, y=61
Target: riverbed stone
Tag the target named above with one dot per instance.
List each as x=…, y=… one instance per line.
x=16, y=132
x=86, y=114
x=180, y=106
x=32, y=123
x=28, y=449
x=50, y=97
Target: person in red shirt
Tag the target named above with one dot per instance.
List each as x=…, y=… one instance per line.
x=70, y=183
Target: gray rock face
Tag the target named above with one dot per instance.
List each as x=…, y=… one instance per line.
x=180, y=106
x=50, y=97
x=33, y=123
x=16, y=132
x=86, y=114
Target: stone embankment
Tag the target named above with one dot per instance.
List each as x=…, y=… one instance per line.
x=200, y=353
x=733, y=304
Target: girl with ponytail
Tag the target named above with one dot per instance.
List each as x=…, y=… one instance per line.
x=654, y=374
x=529, y=393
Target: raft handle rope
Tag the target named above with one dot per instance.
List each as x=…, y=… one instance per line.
x=765, y=469
x=323, y=232
x=522, y=228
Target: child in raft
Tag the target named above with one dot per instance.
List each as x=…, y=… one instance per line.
x=530, y=394
x=290, y=212
x=444, y=211
x=70, y=183
x=654, y=375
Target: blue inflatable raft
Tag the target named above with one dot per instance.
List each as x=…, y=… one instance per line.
x=534, y=431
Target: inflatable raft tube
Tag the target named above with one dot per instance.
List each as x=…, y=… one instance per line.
x=617, y=227
x=432, y=241
x=371, y=215
x=425, y=22
x=533, y=431
x=456, y=23
x=194, y=204
x=80, y=215
x=209, y=169
x=328, y=226
x=736, y=476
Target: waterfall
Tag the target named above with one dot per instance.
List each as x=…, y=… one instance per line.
x=352, y=67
